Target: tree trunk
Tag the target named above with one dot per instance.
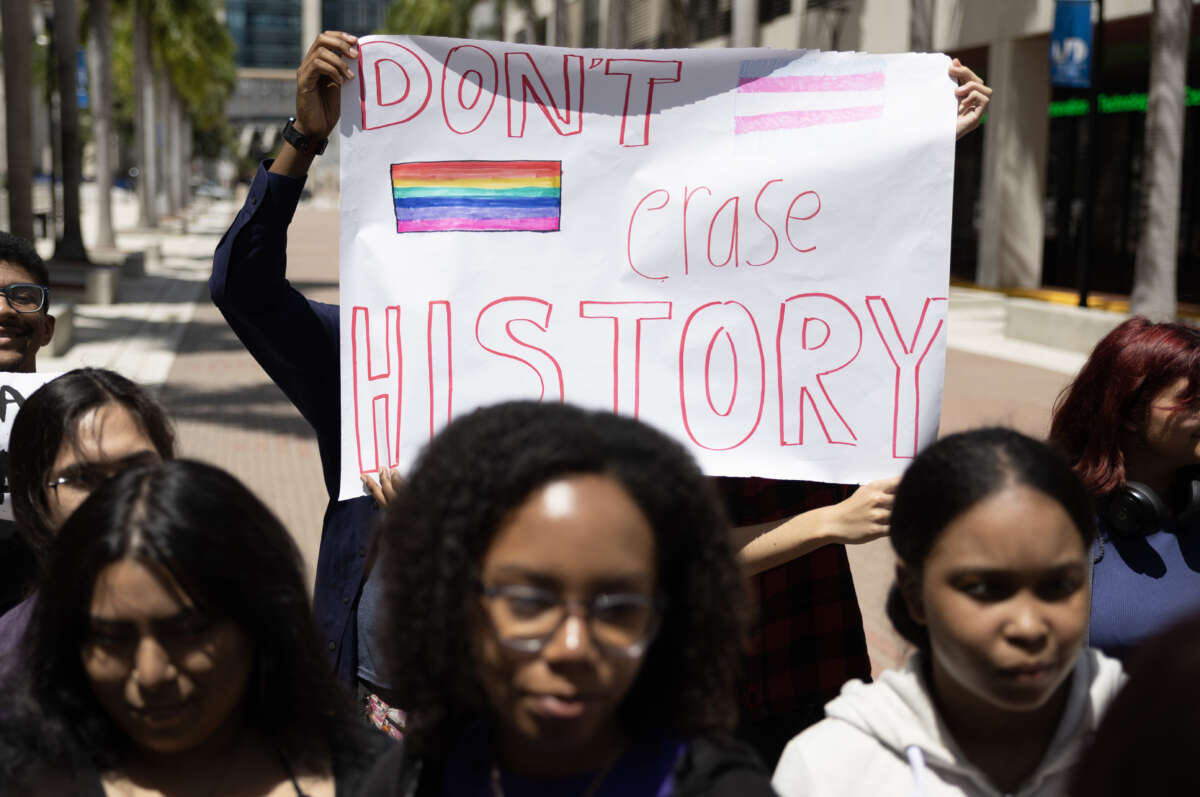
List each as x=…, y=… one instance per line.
x=144, y=117
x=744, y=24
x=100, y=66
x=179, y=171
x=920, y=26
x=169, y=149
x=1154, y=294
x=186, y=198
x=55, y=152
x=18, y=119
x=66, y=35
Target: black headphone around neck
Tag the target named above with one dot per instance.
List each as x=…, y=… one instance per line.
x=1135, y=509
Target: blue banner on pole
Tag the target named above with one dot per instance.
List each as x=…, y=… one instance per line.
x=1071, y=44
x=81, y=78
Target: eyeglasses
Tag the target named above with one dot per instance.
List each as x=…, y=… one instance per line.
x=86, y=477
x=26, y=297
x=527, y=618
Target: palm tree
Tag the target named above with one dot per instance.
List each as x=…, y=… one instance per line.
x=144, y=115
x=197, y=52
x=18, y=98
x=100, y=66
x=66, y=34
x=1156, y=261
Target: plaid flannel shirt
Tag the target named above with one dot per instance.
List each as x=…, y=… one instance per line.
x=806, y=639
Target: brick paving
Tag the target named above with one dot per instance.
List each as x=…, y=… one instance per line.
x=229, y=413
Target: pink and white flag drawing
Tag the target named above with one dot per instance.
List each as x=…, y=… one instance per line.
x=777, y=94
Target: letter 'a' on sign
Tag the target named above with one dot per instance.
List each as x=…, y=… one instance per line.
x=746, y=249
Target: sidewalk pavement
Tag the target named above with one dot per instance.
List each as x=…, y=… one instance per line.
x=166, y=334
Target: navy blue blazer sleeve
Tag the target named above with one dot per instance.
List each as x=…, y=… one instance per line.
x=294, y=339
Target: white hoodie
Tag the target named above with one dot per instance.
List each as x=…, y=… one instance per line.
x=885, y=739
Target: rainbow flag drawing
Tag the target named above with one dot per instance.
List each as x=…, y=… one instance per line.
x=479, y=196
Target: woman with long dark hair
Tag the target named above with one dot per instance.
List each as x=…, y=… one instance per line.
x=991, y=531
x=565, y=612
x=172, y=651
x=1130, y=426
x=71, y=435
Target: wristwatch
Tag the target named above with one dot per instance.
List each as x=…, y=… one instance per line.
x=300, y=141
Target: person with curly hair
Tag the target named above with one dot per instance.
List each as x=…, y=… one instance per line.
x=1130, y=425
x=564, y=609
x=991, y=531
x=172, y=651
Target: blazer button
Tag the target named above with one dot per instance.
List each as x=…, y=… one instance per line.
x=331, y=645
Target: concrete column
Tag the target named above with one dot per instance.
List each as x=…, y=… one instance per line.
x=1014, y=164
x=604, y=20
x=1154, y=284
x=799, y=12
x=615, y=25
x=310, y=25
x=744, y=24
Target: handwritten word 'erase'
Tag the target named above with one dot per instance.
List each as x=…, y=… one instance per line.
x=719, y=222
x=397, y=86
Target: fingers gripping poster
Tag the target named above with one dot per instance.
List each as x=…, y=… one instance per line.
x=748, y=249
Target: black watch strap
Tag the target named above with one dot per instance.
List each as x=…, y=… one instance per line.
x=300, y=141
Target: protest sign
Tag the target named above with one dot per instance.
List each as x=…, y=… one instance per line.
x=14, y=389
x=748, y=249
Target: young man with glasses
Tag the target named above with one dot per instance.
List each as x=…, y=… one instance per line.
x=25, y=321
x=25, y=326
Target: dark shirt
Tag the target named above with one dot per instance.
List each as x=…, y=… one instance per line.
x=18, y=565
x=654, y=766
x=807, y=637
x=350, y=761
x=1142, y=585
x=12, y=627
x=296, y=342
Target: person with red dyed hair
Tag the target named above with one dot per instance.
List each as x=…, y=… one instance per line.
x=1130, y=425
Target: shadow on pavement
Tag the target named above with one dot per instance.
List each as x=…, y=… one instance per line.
x=257, y=408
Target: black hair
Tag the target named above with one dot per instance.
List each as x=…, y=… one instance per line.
x=959, y=471
x=21, y=252
x=232, y=558
x=470, y=477
x=1146, y=741
x=49, y=420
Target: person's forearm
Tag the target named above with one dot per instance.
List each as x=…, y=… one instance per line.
x=767, y=545
x=291, y=161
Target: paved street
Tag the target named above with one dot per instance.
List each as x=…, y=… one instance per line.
x=165, y=333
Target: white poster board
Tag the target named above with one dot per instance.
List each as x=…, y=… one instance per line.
x=748, y=249
x=14, y=389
